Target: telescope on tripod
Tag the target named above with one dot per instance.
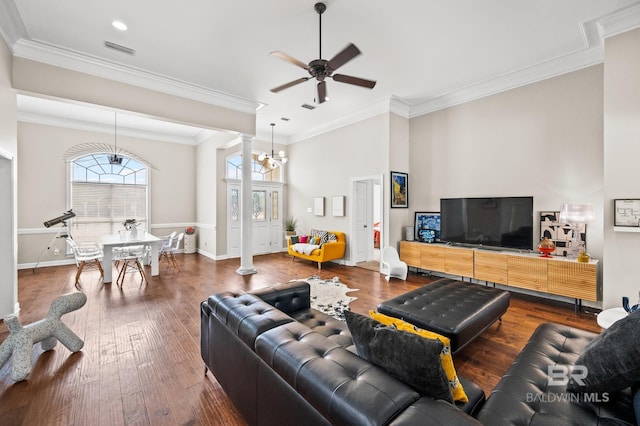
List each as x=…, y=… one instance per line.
x=60, y=219
x=62, y=233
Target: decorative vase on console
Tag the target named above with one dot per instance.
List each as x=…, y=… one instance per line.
x=546, y=246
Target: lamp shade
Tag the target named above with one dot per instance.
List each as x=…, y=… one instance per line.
x=577, y=213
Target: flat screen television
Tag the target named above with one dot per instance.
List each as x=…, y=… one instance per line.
x=493, y=222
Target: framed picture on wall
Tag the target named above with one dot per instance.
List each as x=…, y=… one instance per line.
x=399, y=190
x=318, y=206
x=427, y=227
x=626, y=213
x=338, y=205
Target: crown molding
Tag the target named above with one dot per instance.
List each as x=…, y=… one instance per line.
x=12, y=27
x=513, y=80
x=48, y=120
x=73, y=60
x=382, y=106
x=593, y=34
x=619, y=22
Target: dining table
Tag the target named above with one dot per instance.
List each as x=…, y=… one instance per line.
x=109, y=242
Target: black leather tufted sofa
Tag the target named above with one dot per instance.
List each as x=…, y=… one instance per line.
x=283, y=363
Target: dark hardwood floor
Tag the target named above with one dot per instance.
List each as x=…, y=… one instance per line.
x=141, y=360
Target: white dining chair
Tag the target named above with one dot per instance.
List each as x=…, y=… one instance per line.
x=131, y=258
x=391, y=264
x=165, y=246
x=87, y=256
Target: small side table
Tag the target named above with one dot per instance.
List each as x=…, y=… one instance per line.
x=609, y=316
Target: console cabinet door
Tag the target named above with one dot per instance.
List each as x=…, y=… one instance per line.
x=411, y=254
x=458, y=261
x=433, y=257
x=573, y=279
x=491, y=267
x=527, y=272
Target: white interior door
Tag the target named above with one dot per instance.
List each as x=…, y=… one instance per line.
x=266, y=208
x=361, y=222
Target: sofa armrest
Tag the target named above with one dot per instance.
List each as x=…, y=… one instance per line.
x=332, y=250
x=288, y=297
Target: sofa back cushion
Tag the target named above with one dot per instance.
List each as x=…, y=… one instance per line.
x=342, y=386
x=246, y=315
x=289, y=297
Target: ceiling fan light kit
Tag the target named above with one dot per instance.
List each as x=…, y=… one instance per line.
x=321, y=69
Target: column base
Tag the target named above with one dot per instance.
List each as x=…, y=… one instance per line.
x=246, y=271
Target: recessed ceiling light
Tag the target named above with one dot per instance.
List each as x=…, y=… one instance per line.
x=119, y=25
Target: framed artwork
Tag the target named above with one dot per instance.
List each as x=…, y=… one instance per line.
x=626, y=213
x=427, y=227
x=560, y=233
x=338, y=205
x=399, y=190
x=318, y=206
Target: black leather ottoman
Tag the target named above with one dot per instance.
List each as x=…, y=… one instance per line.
x=456, y=309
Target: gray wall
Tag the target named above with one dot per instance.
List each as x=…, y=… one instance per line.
x=621, y=171
x=42, y=184
x=542, y=140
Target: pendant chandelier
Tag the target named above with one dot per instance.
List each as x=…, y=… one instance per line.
x=274, y=161
x=115, y=158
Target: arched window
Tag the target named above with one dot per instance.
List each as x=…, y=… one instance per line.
x=104, y=195
x=267, y=170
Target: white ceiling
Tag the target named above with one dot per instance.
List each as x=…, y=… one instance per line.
x=424, y=54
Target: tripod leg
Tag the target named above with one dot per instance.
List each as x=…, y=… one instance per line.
x=47, y=249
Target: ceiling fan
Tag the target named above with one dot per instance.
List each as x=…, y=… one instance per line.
x=320, y=69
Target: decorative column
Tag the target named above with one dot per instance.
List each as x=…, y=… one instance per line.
x=246, y=224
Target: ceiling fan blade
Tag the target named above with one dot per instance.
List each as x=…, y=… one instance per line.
x=289, y=84
x=289, y=58
x=347, y=54
x=322, y=92
x=370, y=84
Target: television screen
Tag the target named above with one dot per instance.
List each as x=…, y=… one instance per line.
x=494, y=222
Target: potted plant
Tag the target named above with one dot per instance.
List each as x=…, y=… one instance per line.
x=290, y=225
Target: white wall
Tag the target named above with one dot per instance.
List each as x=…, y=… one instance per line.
x=621, y=272
x=399, y=154
x=8, y=187
x=542, y=140
x=323, y=166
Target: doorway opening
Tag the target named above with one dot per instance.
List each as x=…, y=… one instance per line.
x=367, y=222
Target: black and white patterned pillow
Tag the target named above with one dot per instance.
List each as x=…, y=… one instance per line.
x=324, y=236
x=332, y=237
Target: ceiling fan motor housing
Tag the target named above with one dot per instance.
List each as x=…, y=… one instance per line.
x=319, y=68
